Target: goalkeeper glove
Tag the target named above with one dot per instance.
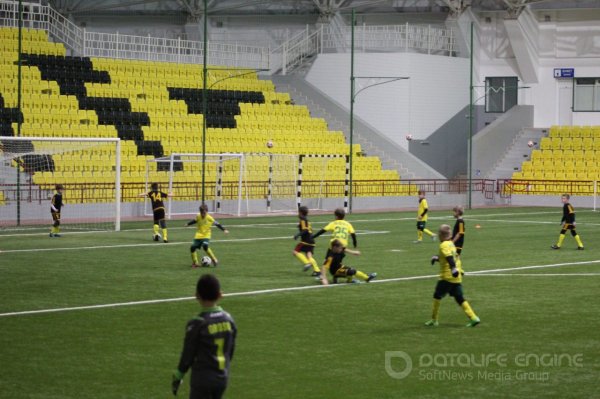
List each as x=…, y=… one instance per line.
x=175, y=383
x=434, y=259
x=454, y=271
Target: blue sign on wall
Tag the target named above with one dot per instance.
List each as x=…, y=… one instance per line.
x=564, y=72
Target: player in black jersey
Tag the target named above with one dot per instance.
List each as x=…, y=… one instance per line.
x=305, y=249
x=568, y=223
x=158, y=210
x=208, y=346
x=55, y=206
x=334, y=263
x=458, y=233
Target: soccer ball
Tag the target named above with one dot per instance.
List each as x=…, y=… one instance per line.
x=206, y=261
x=409, y=137
x=530, y=143
x=269, y=144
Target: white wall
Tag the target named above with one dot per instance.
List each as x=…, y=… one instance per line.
x=437, y=89
x=566, y=44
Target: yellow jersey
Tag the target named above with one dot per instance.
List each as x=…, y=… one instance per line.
x=340, y=230
x=422, y=208
x=447, y=248
x=203, y=226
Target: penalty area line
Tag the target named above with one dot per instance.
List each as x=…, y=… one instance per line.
x=491, y=272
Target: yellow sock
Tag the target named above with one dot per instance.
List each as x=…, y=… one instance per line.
x=155, y=229
x=314, y=264
x=164, y=231
x=435, y=310
x=467, y=308
x=302, y=258
x=211, y=254
x=419, y=235
x=561, y=238
x=195, y=258
x=428, y=232
x=578, y=240
x=54, y=230
x=361, y=275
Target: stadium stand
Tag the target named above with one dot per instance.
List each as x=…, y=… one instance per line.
x=157, y=109
x=568, y=153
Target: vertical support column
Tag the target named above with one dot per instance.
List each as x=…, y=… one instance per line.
x=299, y=182
x=347, y=185
x=270, y=184
x=118, y=186
x=219, y=187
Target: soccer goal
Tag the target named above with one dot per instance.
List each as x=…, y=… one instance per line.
x=235, y=184
x=215, y=179
x=87, y=168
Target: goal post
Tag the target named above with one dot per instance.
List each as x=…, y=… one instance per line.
x=89, y=169
x=182, y=175
x=237, y=184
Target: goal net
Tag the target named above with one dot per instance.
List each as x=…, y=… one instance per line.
x=235, y=184
x=87, y=168
x=215, y=179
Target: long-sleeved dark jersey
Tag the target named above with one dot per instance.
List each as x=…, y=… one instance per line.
x=157, y=197
x=208, y=347
x=568, y=214
x=305, y=232
x=57, y=202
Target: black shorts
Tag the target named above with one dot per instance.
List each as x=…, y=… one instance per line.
x=55, y=215
x=301, y=247
x=343, y=271
x=444, y=288
x=159, y=214
x=421, y=225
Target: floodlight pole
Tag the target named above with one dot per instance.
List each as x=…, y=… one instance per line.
x=470, y=141
x=204, y=98
x=19, y=101
x=353, y=95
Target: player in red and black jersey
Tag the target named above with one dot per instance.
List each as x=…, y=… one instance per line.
x=158, y=210
x=55, y=207
x=208, y=346
x=568, y=223
x=458, y=233
x=305, y=248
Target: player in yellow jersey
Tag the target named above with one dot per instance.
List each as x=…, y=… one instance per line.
x=340, y=229
x=422, y=214
x=157, y=198
x=450, y=282
x=204, y=223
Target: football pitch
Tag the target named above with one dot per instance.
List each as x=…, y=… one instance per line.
x=102, y=315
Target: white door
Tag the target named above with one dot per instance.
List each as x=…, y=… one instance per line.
x=565, y=102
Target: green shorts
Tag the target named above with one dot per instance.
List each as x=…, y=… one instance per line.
x=200, y=243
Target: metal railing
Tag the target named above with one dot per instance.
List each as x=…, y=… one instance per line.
x=375, y=38
x=147, y=48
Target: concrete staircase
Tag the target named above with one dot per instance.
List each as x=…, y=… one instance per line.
x=372, y=142
x=518, y=152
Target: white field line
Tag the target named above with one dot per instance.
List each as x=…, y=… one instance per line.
x=257, y=225
x=358, y=232
x=492, y=272
x=536, y=274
